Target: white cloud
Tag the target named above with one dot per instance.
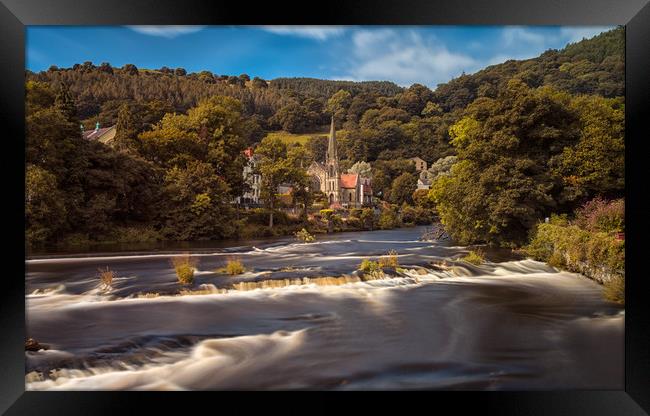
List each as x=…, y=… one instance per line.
x=404, y=57
x=311, y=32
x=166, y=31
x=517, y=36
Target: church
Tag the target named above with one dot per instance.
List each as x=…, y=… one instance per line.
x=348, y=190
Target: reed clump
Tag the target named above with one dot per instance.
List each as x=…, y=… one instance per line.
x=106, y=277
x=389, y=260
x=234, y=266
x=304, y=236
x=184, y=266
x=474, y=257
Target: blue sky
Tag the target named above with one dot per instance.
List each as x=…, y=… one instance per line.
x=403, y=54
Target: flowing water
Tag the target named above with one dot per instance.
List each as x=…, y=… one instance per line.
x=301, y=317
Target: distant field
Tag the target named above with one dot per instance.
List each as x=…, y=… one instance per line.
x=292, y=137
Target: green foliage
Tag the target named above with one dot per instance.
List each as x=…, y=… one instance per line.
x=45, y=210
x=135, y=234
x=595, y=66
x=578, y=250
x=596, y=163
x=389, y=260
x=503, y=181
x=368, y=218
x=279, y=166
x=197, y=203
x=415, y=215
x=474, y=257
x=525, y=138
x=362, y=168
x=290, y=138
x=234, y=267
x=184, y=266
x=615, y=290
x=389, y=219
x=421, y=199
x=402, y=188
x=370, y=267
x=596, y=254
x=304, y=236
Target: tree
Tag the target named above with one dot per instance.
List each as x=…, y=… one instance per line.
x=596, y=164
x=292, y=118
x=64, y=103
x=210, y=132
x=362, y=168
x=368, y=218
x=197, y=203
x=54, y=142
x=338, y=105
x=431, y=109
x=317, y=148
x=441, y=166
x=502, y=184
x=414, y=99
x=259, y=83
x=130, y=69
x=106, y=67
x=274, y=169
x=421, y=198
x=280, y=165
x=127, y=128
x=45, y=213
x=403, y=188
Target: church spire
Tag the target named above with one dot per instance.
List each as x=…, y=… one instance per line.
x=331, y=145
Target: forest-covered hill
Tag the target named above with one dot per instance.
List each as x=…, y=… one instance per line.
x=297, y=105
x=525, y=139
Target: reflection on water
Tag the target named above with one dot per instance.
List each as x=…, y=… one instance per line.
x=517, y=324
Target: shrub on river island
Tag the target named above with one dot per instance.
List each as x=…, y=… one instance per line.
x=304, y=236
x=370, y=267
x=389, y=260
x=184, y=266
x=106, y=277
x=474, y=257
x=235, y=266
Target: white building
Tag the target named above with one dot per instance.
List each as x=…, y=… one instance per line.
x=253, y=179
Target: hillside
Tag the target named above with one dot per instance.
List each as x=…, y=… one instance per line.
x=521, y=152
x=592, y=66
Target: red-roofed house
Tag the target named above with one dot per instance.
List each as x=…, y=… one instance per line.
x=103, y=135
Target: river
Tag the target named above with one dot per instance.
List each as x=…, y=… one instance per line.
x=300, y=318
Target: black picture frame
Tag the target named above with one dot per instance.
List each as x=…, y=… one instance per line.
x=634, y=14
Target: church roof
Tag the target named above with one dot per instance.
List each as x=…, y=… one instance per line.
x=96, y=134
x=316, y=166
x=349, y=180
